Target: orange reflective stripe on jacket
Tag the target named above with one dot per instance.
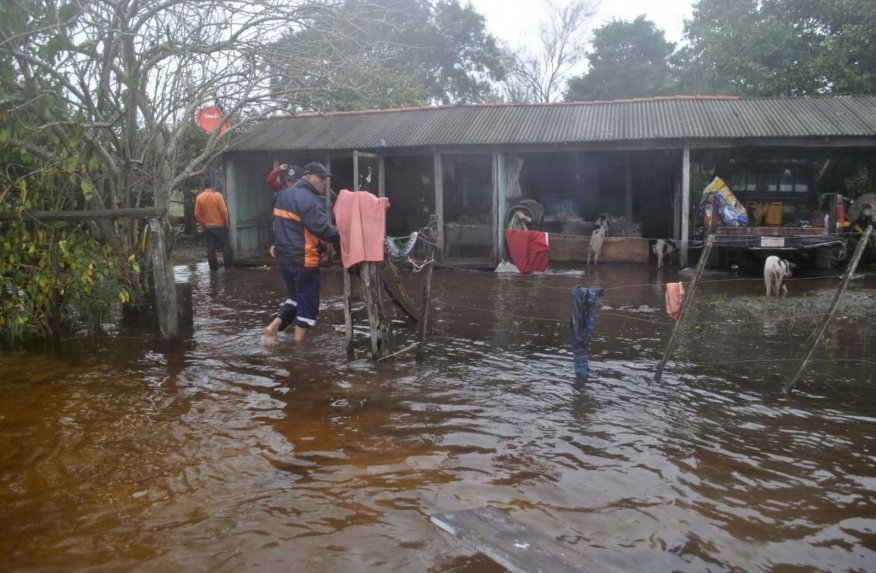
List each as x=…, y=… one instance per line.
x=311, y=242
x=286, y=214
x=311, y=249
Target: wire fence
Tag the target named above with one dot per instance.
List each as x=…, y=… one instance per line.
x=422, y=220
x=663, y=324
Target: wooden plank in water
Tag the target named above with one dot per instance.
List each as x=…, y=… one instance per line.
x=396, y=289
x=512, y=545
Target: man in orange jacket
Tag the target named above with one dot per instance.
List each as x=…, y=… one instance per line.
x=212, y=218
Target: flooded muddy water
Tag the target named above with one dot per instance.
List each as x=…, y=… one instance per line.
x=221, y=454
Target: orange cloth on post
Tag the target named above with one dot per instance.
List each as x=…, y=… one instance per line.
x=674, y=299
x=361, y=222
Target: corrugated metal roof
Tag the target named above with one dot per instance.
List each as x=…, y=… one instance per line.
x=673, y=118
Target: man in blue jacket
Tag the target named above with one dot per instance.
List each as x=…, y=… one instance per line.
x=300, y=222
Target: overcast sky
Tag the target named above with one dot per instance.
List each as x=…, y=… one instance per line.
x=509, y=20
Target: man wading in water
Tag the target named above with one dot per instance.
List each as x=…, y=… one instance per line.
x=300, y=221
x=211, y=216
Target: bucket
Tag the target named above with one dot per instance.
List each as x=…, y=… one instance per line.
x=774, y=214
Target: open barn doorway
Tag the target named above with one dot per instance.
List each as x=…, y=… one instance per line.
x=469, y=209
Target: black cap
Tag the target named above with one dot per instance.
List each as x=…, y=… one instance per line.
x=314, y=168
x=294, y=172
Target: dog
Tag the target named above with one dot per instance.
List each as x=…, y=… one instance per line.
x=666, y=250
x=597, y=237
x=775, y=271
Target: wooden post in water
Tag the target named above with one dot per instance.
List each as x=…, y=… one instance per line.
x=165, y=287
x=373, y=284
x=688, y=297
x=427, y=291
x=862, y=244
x=348, y=314
x=372, y=291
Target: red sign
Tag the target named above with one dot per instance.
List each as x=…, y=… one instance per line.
x=210, y=117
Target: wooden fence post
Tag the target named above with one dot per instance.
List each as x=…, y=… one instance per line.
x=688, y=297
x=862, y=244
x=348, y=313
x=427, y=292
x=165, y=285
x=372, y=291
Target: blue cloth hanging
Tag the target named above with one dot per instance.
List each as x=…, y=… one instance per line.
x=581, y=324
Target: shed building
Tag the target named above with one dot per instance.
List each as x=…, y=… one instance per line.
x=468, y=164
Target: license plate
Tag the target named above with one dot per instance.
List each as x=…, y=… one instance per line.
x=772, y=241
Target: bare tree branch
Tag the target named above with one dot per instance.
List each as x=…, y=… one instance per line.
x=539, y=74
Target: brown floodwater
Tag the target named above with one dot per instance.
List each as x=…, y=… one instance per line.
x=221, y=454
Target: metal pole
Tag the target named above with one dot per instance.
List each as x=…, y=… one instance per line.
x=439, y=204
x=355, y=170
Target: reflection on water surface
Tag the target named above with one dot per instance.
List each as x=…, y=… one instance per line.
x=222, y=454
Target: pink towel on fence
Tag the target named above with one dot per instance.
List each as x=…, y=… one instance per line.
x=361, y=220
x=674, y=299
x=527, y=249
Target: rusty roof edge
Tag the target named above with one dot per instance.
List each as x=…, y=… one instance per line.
x=701, y=97
x=658, y=119
x=512, y=104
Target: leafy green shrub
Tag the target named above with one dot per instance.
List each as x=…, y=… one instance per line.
x=55, y=278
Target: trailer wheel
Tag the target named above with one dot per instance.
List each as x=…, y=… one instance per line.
x=827, y=258
x=839, y=253
x=824, y=259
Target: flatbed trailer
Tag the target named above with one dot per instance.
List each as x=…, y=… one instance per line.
x=815, y=244
x=776, y=238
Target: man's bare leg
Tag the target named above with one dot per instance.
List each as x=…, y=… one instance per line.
x=300, y=333
x=274, y=327
x=270, y=336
